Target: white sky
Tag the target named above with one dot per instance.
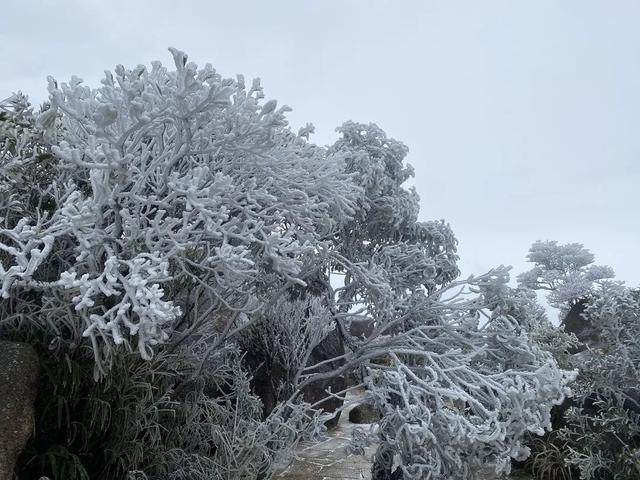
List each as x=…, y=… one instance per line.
x=522, y=117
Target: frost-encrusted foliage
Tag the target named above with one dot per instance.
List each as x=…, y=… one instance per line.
x=458, y=381
x=158, y=231
x=602, y=433
x=385, y=227
x=168, y=179
x=522, y=304
x=565, y=271
x=598, y=428
x=461, y=386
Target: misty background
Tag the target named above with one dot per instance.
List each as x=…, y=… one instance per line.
x=522, y=118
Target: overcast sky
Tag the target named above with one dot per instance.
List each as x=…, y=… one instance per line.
x=522, y=118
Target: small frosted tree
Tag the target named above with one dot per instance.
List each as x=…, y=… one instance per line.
x=565, y=271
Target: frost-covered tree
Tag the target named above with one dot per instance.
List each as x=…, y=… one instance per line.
x=461, y=389
x=522, y=304
x=599, y=436
x=175, y=181
x=598, y=433
x=177, y=223
x=457, y=381
x=565, y=271
x=176, y=207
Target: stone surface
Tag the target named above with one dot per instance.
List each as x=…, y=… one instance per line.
x=18, y=388
x=576, y=322
x=361, y=328
x=364, y=413
x=268, y=378
x=330, y=347
x=328, y=459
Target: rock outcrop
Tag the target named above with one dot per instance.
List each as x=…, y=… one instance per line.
x=364, y=413
x=361, y=329
x=577, y=322
x=331, y=347
x=18, y=387
x=268, y=378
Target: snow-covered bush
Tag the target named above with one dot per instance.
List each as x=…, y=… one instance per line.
x=602, y=431
x=169, y=183
x=598, y=435
x=154, y=229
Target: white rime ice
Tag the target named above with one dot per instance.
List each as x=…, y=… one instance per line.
x=179, y=204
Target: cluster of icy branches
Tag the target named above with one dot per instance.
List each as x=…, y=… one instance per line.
x=171, y=177
x=598, y=428
x=174, y=213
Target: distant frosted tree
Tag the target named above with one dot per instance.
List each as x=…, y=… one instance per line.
x=565, y=271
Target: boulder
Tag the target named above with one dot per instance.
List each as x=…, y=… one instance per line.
x=364, y=413
x=331, y=347
x=268, y=379
x=577, y=322
x=18, y=387
x=361, y=329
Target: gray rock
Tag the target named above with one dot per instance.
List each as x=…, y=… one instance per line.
x=331, y=347
x=18, y=387
x=270, y=380
x=361, y=328
x=577, y=322
x=364, y=413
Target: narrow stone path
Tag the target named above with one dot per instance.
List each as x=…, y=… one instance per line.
x=328, y=460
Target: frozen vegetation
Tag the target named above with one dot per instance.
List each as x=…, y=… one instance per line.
x=167, y=242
